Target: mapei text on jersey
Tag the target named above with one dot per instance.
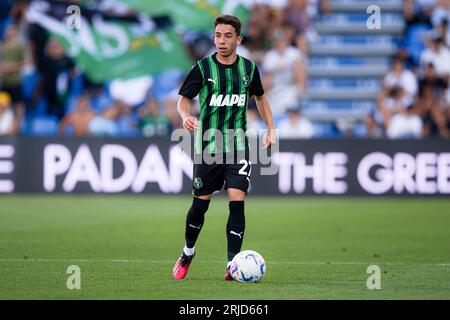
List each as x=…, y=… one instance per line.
x=220, y=100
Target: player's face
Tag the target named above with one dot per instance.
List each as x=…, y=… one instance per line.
x=226, y=39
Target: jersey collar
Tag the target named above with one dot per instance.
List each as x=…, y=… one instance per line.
x=225, y=65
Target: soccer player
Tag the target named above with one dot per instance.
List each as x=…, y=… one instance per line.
x=225, y=82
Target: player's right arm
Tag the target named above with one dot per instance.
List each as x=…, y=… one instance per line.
x=190, y=88
x=190, y=122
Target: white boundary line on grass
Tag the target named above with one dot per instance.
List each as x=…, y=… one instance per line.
x=32, y=260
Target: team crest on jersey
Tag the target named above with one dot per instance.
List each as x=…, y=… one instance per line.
x=245, y=81
x=198, y=183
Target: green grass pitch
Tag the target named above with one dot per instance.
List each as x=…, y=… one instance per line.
x=315, y=248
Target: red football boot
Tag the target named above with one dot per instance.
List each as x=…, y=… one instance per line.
x=228, y=276
x=181, y=267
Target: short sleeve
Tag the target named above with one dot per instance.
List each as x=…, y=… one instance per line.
x=192, y=84
x=256, y=88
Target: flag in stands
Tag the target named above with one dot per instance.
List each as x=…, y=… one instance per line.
x=190, y=14
x=110, y=47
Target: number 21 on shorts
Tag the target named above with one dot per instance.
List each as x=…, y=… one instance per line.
x=244, y=167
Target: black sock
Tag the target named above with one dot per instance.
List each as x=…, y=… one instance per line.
x=235, y=228
x=194, y=220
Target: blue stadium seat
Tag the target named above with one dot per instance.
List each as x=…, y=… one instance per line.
x=25, y=127
x=345, y=83
x=71, y=104
x=101, y=102
x=414, y=40
x=39, y=108
x=69, y=131
x=359, y=130
x=43, y=125
x=352, y=61
x=4, y=23
x=325, y=130
x=29, y=83
x=77, y=85
x=328, y=110
x=128, y=126
x=356, y=39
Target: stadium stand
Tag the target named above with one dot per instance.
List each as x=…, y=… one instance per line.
x=345, y=63
x=348, y=60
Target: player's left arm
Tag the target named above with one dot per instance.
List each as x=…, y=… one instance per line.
x=262, y=104
x=265, y=112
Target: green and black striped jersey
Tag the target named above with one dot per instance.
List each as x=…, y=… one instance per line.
x=224, y=92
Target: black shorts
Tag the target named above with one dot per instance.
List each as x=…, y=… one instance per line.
x=208, y=178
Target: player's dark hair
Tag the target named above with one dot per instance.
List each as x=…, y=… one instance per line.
x=231, y=20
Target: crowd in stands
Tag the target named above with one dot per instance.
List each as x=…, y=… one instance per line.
x=415, y=99
x=39, y=81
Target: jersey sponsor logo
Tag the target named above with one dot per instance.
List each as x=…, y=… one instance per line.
x=220, y=100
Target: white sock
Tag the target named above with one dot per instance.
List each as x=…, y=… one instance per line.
x=228, y=264
x=189, y=251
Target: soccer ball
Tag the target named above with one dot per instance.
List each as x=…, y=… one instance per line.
x=248, y=266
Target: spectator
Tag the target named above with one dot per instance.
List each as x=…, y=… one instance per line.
x=400, y=77
x=198, y=44
x=18, y=16
x=277, y=17
x=99, y=98
x=12, y=57
x=261, y=15
x=256, y=42
x=373, y=128
x=284, y=75
x=429, y=75
x=440, y=11
x=418, y=11
x=438, y=55
x=295, y=126
x=38, y=39
x=296, y=15
x=324, y=7
x=153, y=123
x=105, y=124
x=444, y=32
x=56, y=77
x=79, y=119
x=395, y=101
x=432, y=109
x=8, y=123
x=128, y=122
x=405, y=124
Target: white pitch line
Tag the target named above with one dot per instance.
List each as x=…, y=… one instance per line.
x=85, y=260
x=443, y=264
